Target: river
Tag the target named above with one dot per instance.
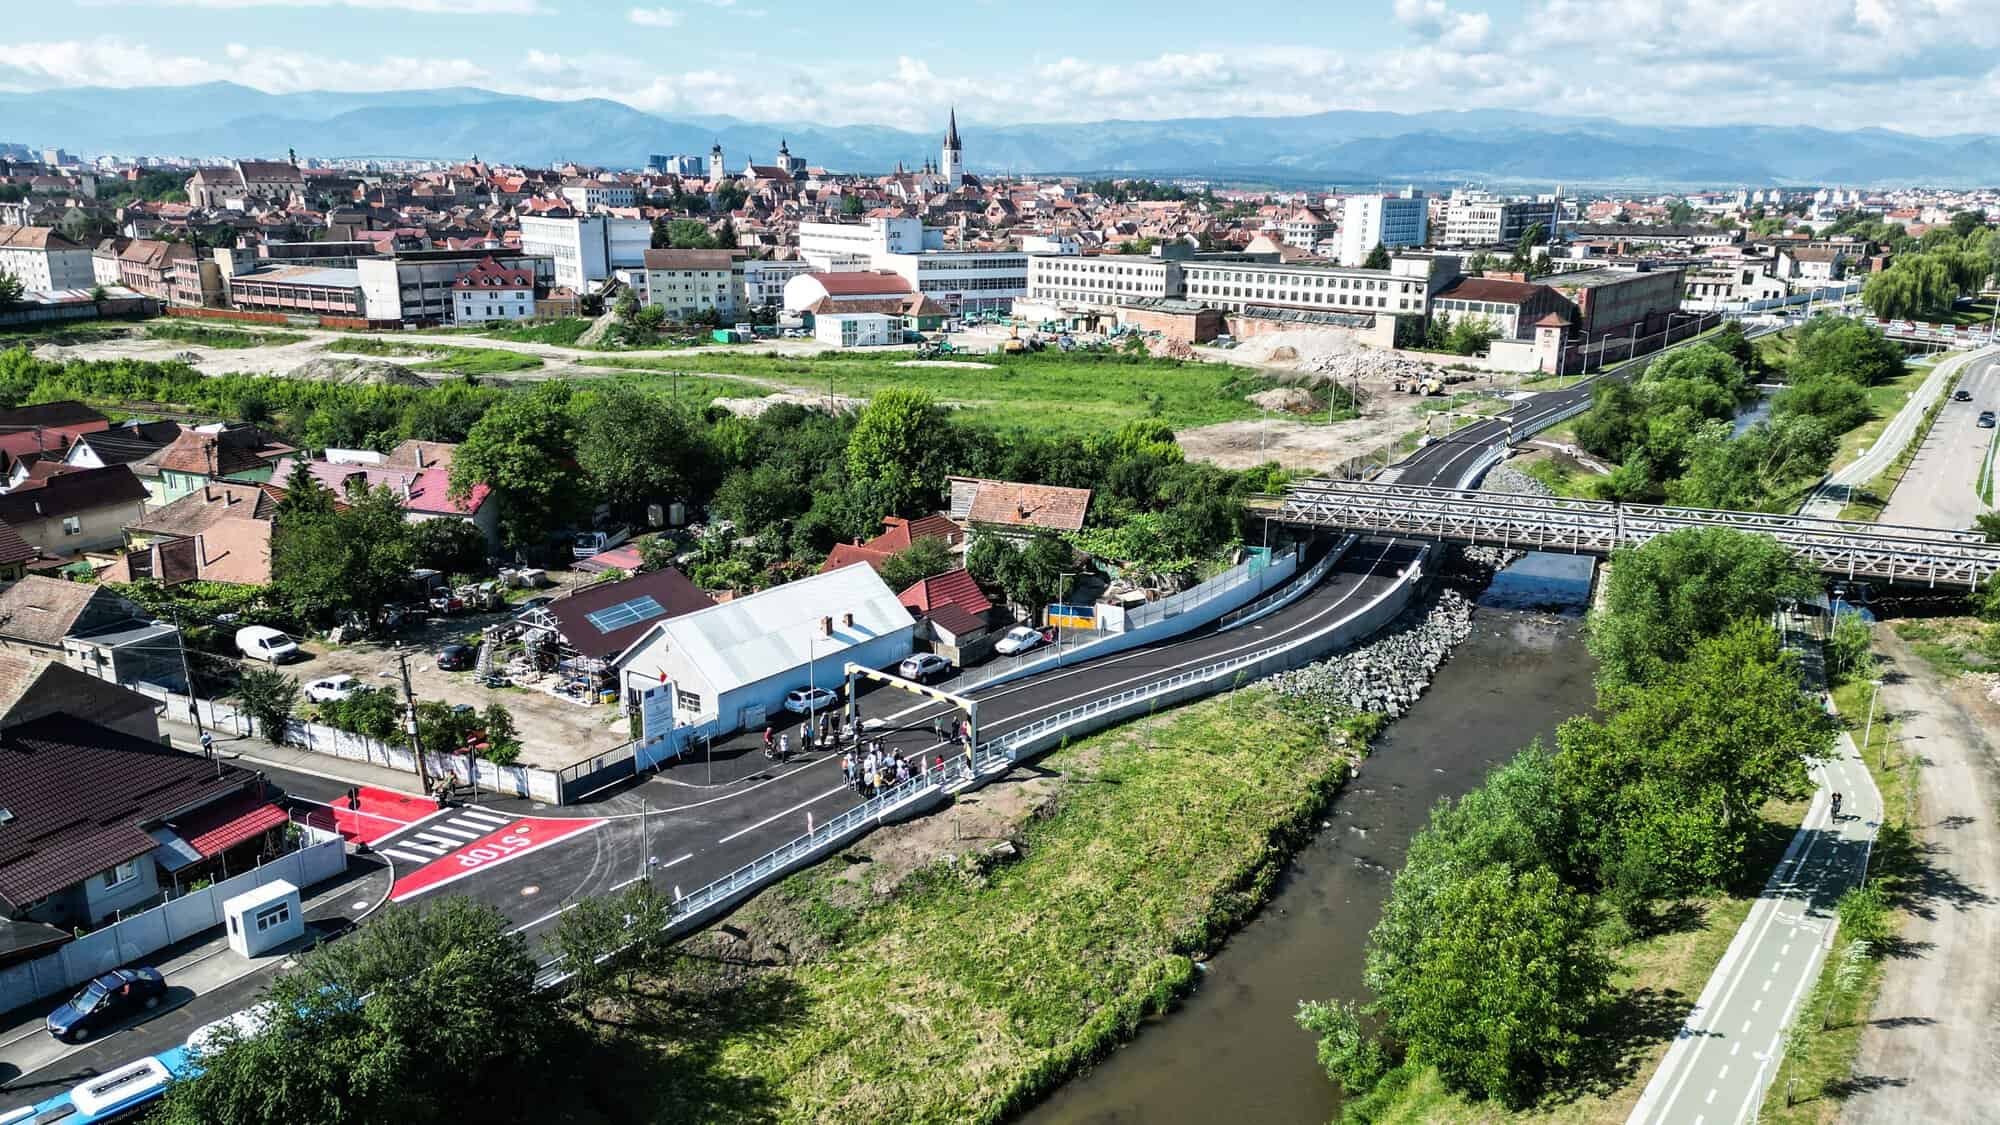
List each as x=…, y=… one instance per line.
x=1231, y=1051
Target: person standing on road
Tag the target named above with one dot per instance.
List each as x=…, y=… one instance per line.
x=847, y=768
x=784, y=746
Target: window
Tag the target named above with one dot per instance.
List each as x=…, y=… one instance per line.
x=72, y=525
x=121, y=874
x=273, y=916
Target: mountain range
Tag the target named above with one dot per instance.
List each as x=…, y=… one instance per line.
x=1350, y=148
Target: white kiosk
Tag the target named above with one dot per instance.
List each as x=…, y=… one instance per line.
x=263, y=918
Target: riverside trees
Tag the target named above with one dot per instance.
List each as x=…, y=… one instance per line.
x=1491, y=963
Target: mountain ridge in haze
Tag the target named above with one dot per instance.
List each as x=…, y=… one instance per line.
x=1338, y=146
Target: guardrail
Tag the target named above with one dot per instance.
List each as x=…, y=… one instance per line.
x=1288, y=593
x=1177, y=604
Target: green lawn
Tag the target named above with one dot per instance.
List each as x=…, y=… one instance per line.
x=1047, y=392
x=214, y=336
x=439, y=357
x=1884, y=400
x=1561, y=479
x=1979, y=312
x=967, y=988
x=72, y=332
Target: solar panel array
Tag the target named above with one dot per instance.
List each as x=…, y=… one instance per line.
x=613, y=618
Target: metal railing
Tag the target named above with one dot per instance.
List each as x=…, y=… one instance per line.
x=1283, y=595
x=1840, y=547
x=1177, y=604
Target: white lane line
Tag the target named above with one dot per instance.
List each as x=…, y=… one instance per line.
x=445, y=842
x=431, y=850
x=785, y=813
x=1757, y=1006
x=1786, y=951
x=1735, y=1047
x=1746, y=1028
x=1710, y=1099
x=672, y=862
x=1767, y=986
x=448, y=830
x=487, y=815
x=404, y=856
x=1722, y=1074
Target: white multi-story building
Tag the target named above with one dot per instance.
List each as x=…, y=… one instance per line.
x=960, y=280
x=1368, y=221
x=764, y=280
x=586, y=248
x=590, y=195
x=1050, y=244
x=690, y=283
x=1306, y=228
x=1101, y=280
x=490, y=291
x=1481, y=218
x=1401, y=290
x=44, y=260
x=832, y=247
x=415, y=287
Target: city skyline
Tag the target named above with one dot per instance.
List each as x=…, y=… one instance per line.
x=1920, y=66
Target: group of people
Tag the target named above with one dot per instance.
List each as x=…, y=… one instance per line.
x=825, y=732
x=875, y=769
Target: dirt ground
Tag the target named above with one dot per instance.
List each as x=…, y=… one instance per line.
x=555, y=731
x=1933, y=1039
x=1299, y=443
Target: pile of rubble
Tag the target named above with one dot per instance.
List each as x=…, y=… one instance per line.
x=1390, y=672
x=1335, y=354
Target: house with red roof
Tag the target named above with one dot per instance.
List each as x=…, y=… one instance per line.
x=899, y=535
x=953, y=614
x=425, y=492
x=490, y=291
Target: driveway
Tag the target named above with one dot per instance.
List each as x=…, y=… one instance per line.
x=1932, y=1042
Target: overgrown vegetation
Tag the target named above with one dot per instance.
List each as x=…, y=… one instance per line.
x=440, y=357
x=1494, y=965
x=211, y=336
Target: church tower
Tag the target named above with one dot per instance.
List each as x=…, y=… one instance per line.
x=716, y=172
x=952, y=167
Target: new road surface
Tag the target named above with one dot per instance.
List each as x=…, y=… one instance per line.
x=1844, y=481
x=1941, y=487
x=1730, y=1045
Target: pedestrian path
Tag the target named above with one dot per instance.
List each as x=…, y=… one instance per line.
x=442, y=835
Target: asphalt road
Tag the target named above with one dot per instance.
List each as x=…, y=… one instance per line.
x=1938, y=489
x=1730, y=1045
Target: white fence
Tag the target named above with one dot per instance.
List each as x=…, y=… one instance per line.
x=520, y=781
x=134, y=936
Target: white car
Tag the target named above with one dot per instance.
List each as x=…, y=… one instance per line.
x=261, y=642
x=212, y=1036
x=332, y=688
x=805, y=701
x=1018, y=639
x=924, y=667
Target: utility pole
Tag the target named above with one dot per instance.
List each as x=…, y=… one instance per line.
x=194, y=705
x=416, y=744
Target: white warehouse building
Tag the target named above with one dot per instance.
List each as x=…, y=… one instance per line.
x=732, y=664
x=586, y=248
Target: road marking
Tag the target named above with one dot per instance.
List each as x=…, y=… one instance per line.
x=1710, y=1099
x=487, y=815
x=461, y=833
x=785, y=813
x=1735, y=1047
x=431, y=850
x=1786, y=951
x=1746, y=1028
x=520, y=837
x=406, y=857
x=1767, y=986
x=1722, y=1074
x=1757, y=1007
x=672, y=862
x=445, y=842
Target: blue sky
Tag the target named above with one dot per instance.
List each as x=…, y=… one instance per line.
x=1922, y=65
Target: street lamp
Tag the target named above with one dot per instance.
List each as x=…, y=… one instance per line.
x=1064, y=576
x=1868, y=730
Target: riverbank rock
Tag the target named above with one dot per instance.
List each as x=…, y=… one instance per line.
x=1510, y=481
x=1392, y=670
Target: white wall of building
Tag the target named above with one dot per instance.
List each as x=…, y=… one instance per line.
x=858, y=330
x=586, y=248
x=1368, y=221
x=42, y=270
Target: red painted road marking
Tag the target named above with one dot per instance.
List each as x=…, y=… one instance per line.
x=517, y=839
x=381, y=812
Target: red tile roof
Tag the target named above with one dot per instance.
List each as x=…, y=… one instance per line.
x=216, y=828
x=1490, y=289
x=863, y=284
x=953, y=587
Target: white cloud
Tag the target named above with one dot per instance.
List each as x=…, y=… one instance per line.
x=1435, y=20
x=654, y=17
x=113, y=62
x=429, y=7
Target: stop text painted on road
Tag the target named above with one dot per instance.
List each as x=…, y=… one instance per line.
x=520, y=836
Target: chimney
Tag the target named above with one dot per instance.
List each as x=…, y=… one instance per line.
x=826, y=626
x=420, y=456
x=847, y=621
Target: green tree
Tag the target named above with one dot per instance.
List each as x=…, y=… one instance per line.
x=893, y=455
x=1665, y=597
x=448, y=546
x=1437, y=335
x=1988, y=525
x=689, y=234
x=522, y=449
x=1680, y=212
x=1838, y=402
x=11, y=290
x=1349, y=1055
x=1378, y=258
x=923, y=559
x=638, y=448
x=1832, y=346
x=357, y=559
x=422, y=1017
x=1470, y=335
x=851, y=206
x=1500, y=986
x=268, y=696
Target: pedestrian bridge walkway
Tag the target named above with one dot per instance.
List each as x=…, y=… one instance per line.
x=1843, y=548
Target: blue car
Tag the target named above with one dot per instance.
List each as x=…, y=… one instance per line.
x=107, y=1000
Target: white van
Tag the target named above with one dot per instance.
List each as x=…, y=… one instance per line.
x=261, y=642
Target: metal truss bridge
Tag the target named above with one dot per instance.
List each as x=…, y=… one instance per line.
x=1843, y=548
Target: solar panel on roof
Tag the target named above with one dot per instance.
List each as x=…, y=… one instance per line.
x=613, y=618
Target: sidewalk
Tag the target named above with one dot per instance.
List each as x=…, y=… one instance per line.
x=250, y=749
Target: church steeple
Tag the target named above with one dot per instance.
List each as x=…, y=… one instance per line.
x=952, y=165
x=951, y=131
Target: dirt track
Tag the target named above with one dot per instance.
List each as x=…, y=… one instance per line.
x=1932, y=1043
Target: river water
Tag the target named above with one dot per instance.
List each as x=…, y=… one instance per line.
x=1231, y=1051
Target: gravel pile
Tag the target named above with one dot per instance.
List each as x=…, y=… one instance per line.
x=1513, y=482
x=1391, y=671
x=1333, y=354
x=358, y=372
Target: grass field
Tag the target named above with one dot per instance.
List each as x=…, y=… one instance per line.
x=213, y=336
x=1953, y=645
x=1561, y=479
x=1873, y=498
x=64, y=334
x=1884, y=400
x=439, y=357
x=969, y=988
x=1047, y=392
x=1655, y=985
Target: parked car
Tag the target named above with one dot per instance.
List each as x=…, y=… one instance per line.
x=924, y=667
x=105, y=1001
x=805, y=701
x=1018, y=639
x=332, y=688
x=261, y=642
x=1961, y=395
x=1986, y=419
x=455, y=658
x=591, y=543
